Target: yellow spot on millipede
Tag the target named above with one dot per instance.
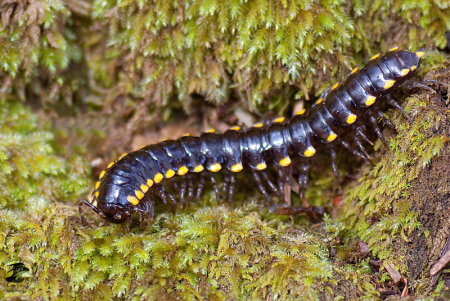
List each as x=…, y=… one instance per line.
x=102, y=174
x=237, y=167
x=310, y=151
x=335, y=86
x=215, y=167
x=132, y=200
x=351, y=118
x=420, y=53
x=281, y=119
x=319, y=101
x=404, y=72
x=235, y=128
x=331, y=137
x=374, y=57
x=182, y=170
x=144, y=188
x=123, y=156
x=354, y=70
x=96, y=194
x=97, y=185
x=301, y=112
x=285, y=161
x=149, y=182
x=211, y=131
x=258, y=125
x=186, y=135
x=198, y=168
x=261, y=166
x=393, y=49
x=388, y=84
x=170, y=173
x=110, y=164
x=413, y=68
x=139, y=194
x=158, y=177
x=370, y=100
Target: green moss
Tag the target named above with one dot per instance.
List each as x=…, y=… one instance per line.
x=35, y=186
x=146, y=57
x=380, y=209
x=215, y=253
x=30, y=171
x=36, y=46
x=256, y=51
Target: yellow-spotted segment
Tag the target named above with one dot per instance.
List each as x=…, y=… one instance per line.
x=133, y=182
x=309, y=152
x=354, y=70
x=237, y=167
x=158, y=177
x=215, y=167
x=199, y=168
x=301, y=112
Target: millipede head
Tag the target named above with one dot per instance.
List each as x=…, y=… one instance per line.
x=410, y=61
x=114, y=213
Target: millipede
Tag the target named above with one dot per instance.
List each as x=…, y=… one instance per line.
x=129, y=185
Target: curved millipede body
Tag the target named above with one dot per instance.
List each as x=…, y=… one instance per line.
x=128, y=185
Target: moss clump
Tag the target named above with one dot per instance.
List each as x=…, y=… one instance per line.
x=142, y=56
x=254, y=51
x=29, y=169
x=36, y=46
x=32, y=179
x=215, y=253
x=384, y=210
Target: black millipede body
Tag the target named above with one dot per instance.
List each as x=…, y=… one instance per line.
x=128, y=185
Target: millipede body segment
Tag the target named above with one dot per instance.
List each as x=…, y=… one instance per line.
x=128, y=184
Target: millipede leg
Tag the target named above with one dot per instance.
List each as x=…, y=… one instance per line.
x=190, y=188
x=201, y=182
x=303, y=178
x=226, y=182
x=361, y=147
x=352, y=150
x=287, y=171
x=377, y=130
x=271, y=184
x=333, y=164
x=80, y=210
x=361, y=128
x=164, y=195
x=182, y=192
x=410, y=85
x=396, y=105
x=175, y=186
x=231, y=187
x=281, y=180
x=260, y=185
x=171, y=197
x=439, y=84
x=215, y=186
x=379, y=114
